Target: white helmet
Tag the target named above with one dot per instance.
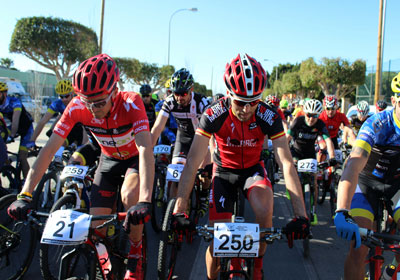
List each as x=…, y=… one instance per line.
x=363, y=108
x=313, y=106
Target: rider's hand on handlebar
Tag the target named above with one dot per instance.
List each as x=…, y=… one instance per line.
x=181, y=222
x=19, y=209
x=137, y=214
x=347, y=228
x=332, y=161
x=298, y=228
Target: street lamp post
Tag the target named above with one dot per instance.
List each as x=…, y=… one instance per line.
x=169, y=29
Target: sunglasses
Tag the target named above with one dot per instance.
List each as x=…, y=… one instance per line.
x=181, y=93
x=242, y=103
x=330, y=109
x=312, y=115
x=145, y=95
x=65, y=96
x=97, y=104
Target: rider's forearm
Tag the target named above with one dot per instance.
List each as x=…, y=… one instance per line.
x=294, y=187
x=146, y=173
x=38, y=129
x=15, y=122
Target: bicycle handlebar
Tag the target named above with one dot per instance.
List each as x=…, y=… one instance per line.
x=369, y=234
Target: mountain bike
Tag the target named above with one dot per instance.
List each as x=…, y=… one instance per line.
x=88, y=253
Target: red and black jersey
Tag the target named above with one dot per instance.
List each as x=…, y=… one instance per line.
x=239, y=144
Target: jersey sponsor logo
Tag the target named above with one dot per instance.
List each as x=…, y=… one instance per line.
x=222, y=201
x=59, y=130
x=97, y=121
x=139, y=122
x=129, y=103
x=121, y=154
x=115, y=141
x=252, y=126
x=394, y=138
x=63, y=125
x=233, y=127
x=97, y=130
x=140, y=128
x=77, y=106
x=241, y=143
x=307, y=135
x=104, y=193
x=266, y=115
x=215, y=111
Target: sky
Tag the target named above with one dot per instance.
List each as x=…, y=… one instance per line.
x=273, y=32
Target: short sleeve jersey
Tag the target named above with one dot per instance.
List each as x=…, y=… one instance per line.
x=56, y=106
x=304, y=136
x=239, y=144
x=333, y=124
x=114, y=133
x=380, y=136
x=12, y=104
x=186, y=117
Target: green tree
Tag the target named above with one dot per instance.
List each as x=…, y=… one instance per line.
x=54, y=43
x=291, y=83
x=6, y=62
x=199, y=88
x=280, y=70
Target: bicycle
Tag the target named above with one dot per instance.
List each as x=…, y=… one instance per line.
x=330, y=180
x=270, y=164
x=160, y=187
x=237, y=250
x=90, y=254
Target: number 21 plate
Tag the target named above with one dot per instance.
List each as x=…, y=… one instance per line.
x=66, y=227
x=236, y=240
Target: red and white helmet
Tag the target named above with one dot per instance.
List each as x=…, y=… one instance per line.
x=330, y=101
x=245, y=78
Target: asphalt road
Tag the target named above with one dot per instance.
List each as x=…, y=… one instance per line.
x=325, y=262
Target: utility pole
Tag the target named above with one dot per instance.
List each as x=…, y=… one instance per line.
x=380, y=51
x=101, y=26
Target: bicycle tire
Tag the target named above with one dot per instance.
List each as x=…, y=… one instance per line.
x=24, y=239
x=158, y=204
x=333, y=195
x=167, y=257
x=50, y=262
x=43, y=196
x=9, y=180
x=307, y=202
x=269, y=166
x=321, y=192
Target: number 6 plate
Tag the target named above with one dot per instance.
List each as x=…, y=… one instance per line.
x=66, y=227
x=236, y=240
x=174, y=172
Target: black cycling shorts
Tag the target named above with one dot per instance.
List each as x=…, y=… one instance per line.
x=108, y=178
x=297, y=155
x=225, y=183
x=182, y=147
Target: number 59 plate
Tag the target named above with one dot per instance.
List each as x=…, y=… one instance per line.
x=66, y=227
x=236, y=240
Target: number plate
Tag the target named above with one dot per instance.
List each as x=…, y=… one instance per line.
x=236, y=240
x=307, y=165
x=162, y=149
x=76, y=171
x=66, y=227
x=339, y=156
x=174, y=172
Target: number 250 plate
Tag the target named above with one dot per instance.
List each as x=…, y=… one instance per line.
x=236, y=240
x=66, y=227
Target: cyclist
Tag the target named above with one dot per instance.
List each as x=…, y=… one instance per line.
x=3, y=141
x=273, y=101
x=380, y=106
x=149, y=103
x=186, y=107
x=372, y=171
x=333, y=119
x=356, y=121
x=239, y=123
x=284, y=104
x=218, y=96
x=21, y=123
x=298, y=111
x=118, y=121
x=77, y=135
x=304, y=131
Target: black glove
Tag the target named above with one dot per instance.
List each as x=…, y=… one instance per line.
x=19, y=209
x=137, y=214
x=332, y=161
x=181, y=222
x=298, y=228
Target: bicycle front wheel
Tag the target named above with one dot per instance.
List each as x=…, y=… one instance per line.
x=158, y=203
x=10, y=182
x=44, y=196
x=51, y=255
x=307, y=202
x=168, y=247
x=17, y=242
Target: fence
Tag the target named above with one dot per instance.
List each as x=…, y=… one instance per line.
x=367, y=90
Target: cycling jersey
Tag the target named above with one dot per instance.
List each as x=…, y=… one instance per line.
x=239, y=144
x=56, y=106
x=304, y=136
x=116, y=132
x=333, y=124
x=151, y=111
x=356, y=123
x=12, y=104
x=281, y=114
x=380, y=136
x=186, y=117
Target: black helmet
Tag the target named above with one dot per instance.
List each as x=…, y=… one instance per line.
x=218, y=96
x=145, y=89
x=380, y=105
x=181, y=81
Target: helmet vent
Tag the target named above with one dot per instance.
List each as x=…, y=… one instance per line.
x=99, y=65
x=256, y=84
x=111, y=82
x=241, y=84
x=89, y=68
x=85, y=83
x=93, y=82
x=83, y=64
x=248, y=73
x=109, y=65
x=103, y=80
x=237, y=68
x=233, y=83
